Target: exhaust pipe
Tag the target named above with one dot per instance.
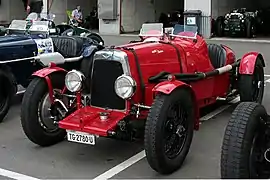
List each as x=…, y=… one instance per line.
x=267, y=155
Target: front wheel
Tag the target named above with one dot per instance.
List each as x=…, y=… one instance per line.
x=245, y=148
x=251, y=87
x=169, y=131
x=38, y=115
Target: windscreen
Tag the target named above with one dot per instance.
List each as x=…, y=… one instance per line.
x=39, y=26
x=185, y=31
x=18, y=25
x=152, y=29
x=34, y=16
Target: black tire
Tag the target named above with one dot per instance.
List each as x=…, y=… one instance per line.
x=249, y=88
x=96, y=38
x=249, y=33
x=7, y=91
x=240, y=133
x=66, y=32
x=219, y=27
x=155, y=126
x=32, y=128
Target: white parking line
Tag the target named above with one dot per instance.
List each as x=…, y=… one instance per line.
x=219, y=110
x=134, y=159
x=14, y=175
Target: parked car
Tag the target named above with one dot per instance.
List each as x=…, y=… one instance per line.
x=241, y=22
x=72, y=29
x=246, y=150
x=24, y=50
x=172, y=18
x=156, y=86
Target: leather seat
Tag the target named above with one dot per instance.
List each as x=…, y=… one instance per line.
x=69, y=46
x=217, y=55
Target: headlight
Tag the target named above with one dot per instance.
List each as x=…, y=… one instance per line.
x=74, y=80
x=125, y=86
x=227, y=16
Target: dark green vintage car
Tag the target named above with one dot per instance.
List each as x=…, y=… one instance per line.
x=240, y=22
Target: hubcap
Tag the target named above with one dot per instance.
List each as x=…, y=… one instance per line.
x=46, y=119
x=257, y=84
x=175, y=131
x=258, y=165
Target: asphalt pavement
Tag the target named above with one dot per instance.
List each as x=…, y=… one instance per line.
x=20, y=158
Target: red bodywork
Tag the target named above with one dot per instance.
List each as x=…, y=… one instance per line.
x=154, y=58
x=45, y=72
x=248, y=62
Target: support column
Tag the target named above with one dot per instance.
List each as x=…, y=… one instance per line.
x=206, y=7
x=111, y=27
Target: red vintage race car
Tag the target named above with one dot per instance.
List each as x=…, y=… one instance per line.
x=246, y=145
x=156, y=86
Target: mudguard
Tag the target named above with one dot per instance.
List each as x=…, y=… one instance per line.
x=47, y=71
x=248, y=61
x=167, y=87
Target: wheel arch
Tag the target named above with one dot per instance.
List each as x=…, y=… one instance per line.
x=248, y=62
x=45, y=74
x=167, y=87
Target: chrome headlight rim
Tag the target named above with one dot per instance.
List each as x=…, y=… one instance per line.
x=79, y=78
x=132, y=83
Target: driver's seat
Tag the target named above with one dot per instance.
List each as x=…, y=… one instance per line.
x=68, y=46
x=217, y=55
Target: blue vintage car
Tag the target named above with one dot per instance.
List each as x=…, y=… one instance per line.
x=27, y=48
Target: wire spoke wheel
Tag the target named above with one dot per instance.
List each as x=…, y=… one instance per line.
x=257, y=83
x=259, y=167
x=169, y=130
x=175, y=130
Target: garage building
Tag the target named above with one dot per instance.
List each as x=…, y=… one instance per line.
x=132, y=13
x=14, y=9
x=127, y=16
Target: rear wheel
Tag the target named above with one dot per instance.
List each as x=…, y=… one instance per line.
x=68, y=32
x=250, y=29
x=246, y=144
x=96, y=38
x=7, y=91
x=38, y=115
x=219, y=27
x=251, y=87
x=169, y=131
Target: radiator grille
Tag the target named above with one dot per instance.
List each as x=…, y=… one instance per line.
x=103, y=95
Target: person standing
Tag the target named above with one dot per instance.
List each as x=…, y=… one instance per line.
x=77, y=16
x=35, y=6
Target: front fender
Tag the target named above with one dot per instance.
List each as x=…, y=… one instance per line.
x=167, y=87
x=47, y=71
x=248, y=61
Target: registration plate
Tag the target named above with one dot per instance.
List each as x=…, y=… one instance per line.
x=81, y=137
